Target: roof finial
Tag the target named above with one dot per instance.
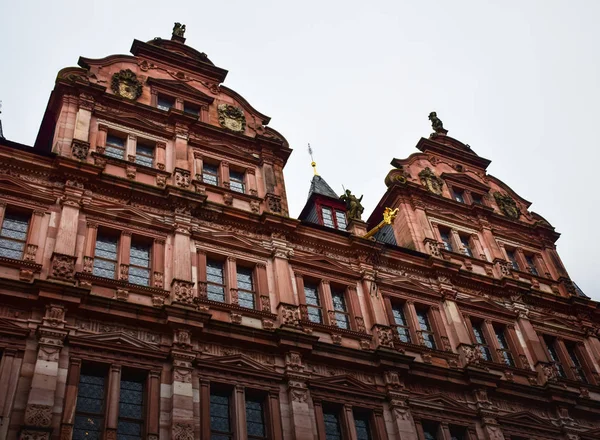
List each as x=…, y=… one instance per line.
x=312, y=163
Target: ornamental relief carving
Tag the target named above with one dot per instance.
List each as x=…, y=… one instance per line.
x=430, y=181
x=507, y=205
x=183, y=431
x=38, y=415
x=218, y=350
x=126, y=85
x=63, y=266
x=232, y=118
x=90, y=326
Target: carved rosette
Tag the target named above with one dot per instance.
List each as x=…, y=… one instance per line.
x=183, y=292
x=274, y=203
x=63, y=267
x=80, y=149
x=126, y=85
x=232, y=118
x=507, y=205
x=430, y=181
x=182, y=178
x=384, y=336
x=183, y=431
x=290, y=314
x=39, y=416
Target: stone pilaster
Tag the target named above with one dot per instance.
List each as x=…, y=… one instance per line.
x=182, y=405
x=397, y=396
x=298, y=397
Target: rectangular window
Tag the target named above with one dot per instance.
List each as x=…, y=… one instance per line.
x=458, y=432
x=236, y=182
x=165, y=103
x=313, y=303
x=210, y=174
x=553, y=355
x=340, y=217
x=430, y=430
x=255, y=418
x=513, y=259
x=445, y=235
x=342, y=319
x=401, y=323
x=327, y=217
x=89, y=411
x=577, y=368
x=504, y=350
x=362, y=426
x=332, y=425
x=13, y=235
x=144, y=153
x=139, y=262
x=466, y=243
x=477, y=199
x=459, y=195
x=215, y=282
x=426, y=332
x=482, y=344
x=131, y=408
x=191, y=109
x=220, y=418
x=105, y=255
x=531, y=265
x=115, y=146
x=245, y=287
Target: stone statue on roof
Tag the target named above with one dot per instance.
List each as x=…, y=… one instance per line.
x=354, y=208
x=179, y=30
x=437, y=124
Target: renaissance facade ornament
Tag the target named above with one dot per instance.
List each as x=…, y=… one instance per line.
x=432, y=182
x=354, y=208
x=507, y=205
x=232, y=118
x=437, y=124
x=126, y=85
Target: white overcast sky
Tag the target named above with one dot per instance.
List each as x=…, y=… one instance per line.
x=517, y=80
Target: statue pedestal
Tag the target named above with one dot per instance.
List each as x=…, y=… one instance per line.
x=357, y=227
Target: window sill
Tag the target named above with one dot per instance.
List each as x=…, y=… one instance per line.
x=27, y=268
x=88, y=280
x=333, y=329
x=227, y=307
x=198, y=183
x=105, y=159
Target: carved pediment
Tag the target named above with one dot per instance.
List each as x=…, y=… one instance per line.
x=128, y=212
x=592, y=435
x=10, y=327
x=239, y=362
x=229, y=239
x=440, y=401
x=15, y=185
x=343, y=382
x=525, y=418
x=135, y=120
x=486, y=304
x=182, y=88
x=117, y=340
x=466, y=180
x=401, y=282
x=323, y=262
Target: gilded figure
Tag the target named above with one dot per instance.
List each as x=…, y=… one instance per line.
x=354, y=208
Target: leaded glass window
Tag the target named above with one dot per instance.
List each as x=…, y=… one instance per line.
x=362, y=426
x=340, y=217
x=210, y=174
x=105, y=256
x=191, y=109
x=482, y=344
x=426, y=332
x=459, y=195
x=89, y=411
x=220, y=424
x=255, y=418
x=327, y=217
x=332, y=426
x=215, y=283
x=504, y=350
x=236, y=182
x=115, y=146
x=430, y=430
x=577, y=367
x=144, y=154
x=513, y=259
x=466, y=243
x=531, y=265
x=554, y=356
x=245, y=287
x=458, y=432
x=342, y=319
x=165, y=102
x=477, y=199
x=313, y=303
x=131, y=410
x=445, y=235
x=401, y=323
x=139, y=263
x=13, y=235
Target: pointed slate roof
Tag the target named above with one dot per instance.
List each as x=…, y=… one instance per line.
x=320, y=187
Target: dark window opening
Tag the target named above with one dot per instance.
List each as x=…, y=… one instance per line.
x=466, y=243
x=255, y=418
x=531, y=265
x=220, y=417
x=362, y=426
x=482, y=344
x=426, y=332
x=115, y=146
x=131, y=407
x=13, y=235
x=313, y=303
x=144, y=154
x=245, y=287
x=332, y=425
x=89, y=411
x=401, y=323
x=236, y=182
x=459, y=195
x=191, y=109
x=445, y=235
x=513, y=259
x=553, y=354
x=215, y=282
x=210, y=174
x=504, y=350
x=342, y=319
x=165, y=102
x=139, y=262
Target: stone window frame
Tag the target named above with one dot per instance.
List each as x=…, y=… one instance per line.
x=467, y=194
x=179, y=101
x=121, y=280
x=443, y=428
x=354, y=311
x=456, y=231
x=520, y=253
x=585, y=358
x=410, y=306
x=230, y=263
x=335, y=209
x=114, y=369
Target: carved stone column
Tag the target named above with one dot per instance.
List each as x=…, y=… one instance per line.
x=42, y=395
x=251, y=177
x=397, y=396
x=112, y=401
x=63, y=258
x=182, y=287
x=299, y=397
x=83, y=118
x=239, y=413
x=182, y=411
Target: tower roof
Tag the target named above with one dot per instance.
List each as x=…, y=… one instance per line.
x=320, y=187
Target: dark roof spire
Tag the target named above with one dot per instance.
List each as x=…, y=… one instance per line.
x=320, y=187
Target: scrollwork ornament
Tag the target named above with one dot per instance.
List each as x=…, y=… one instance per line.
x=507, y=205
x=232, y=118
x=432, y=182
x=126, y=85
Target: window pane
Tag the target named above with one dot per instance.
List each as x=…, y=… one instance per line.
x=191, y=109
x=423, y=320
x=327, y=217
x=165, y=103
x=89, y=410
x=219, y=414
x=210, y=173
x=115, y=141
x=341, y=219
x=445, y=235
x=236, y=181
x=339, y=302
x=105, y=256
x=512, y=259
x=430, y=431
x=312, y=295
x=459, y=196
x=117, y=153
x=477, y=199
x=255, y=425
x=399, y=318
x=466, y=245
x=332, y=426
x=214, y=275
x=531, y=265
x=361, y=423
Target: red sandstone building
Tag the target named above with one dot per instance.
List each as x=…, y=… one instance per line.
x=153, y=285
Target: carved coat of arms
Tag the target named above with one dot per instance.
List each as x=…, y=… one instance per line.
x=507, y=205
x=232, y=118
x=432, y=182
x=126, y=85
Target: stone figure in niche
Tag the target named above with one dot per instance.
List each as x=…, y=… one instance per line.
x=179, y=29
x=432, y=182
x=231, y=117
x=354, y=208
x=437, y=124
x=126, y=85
x=507, y=205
